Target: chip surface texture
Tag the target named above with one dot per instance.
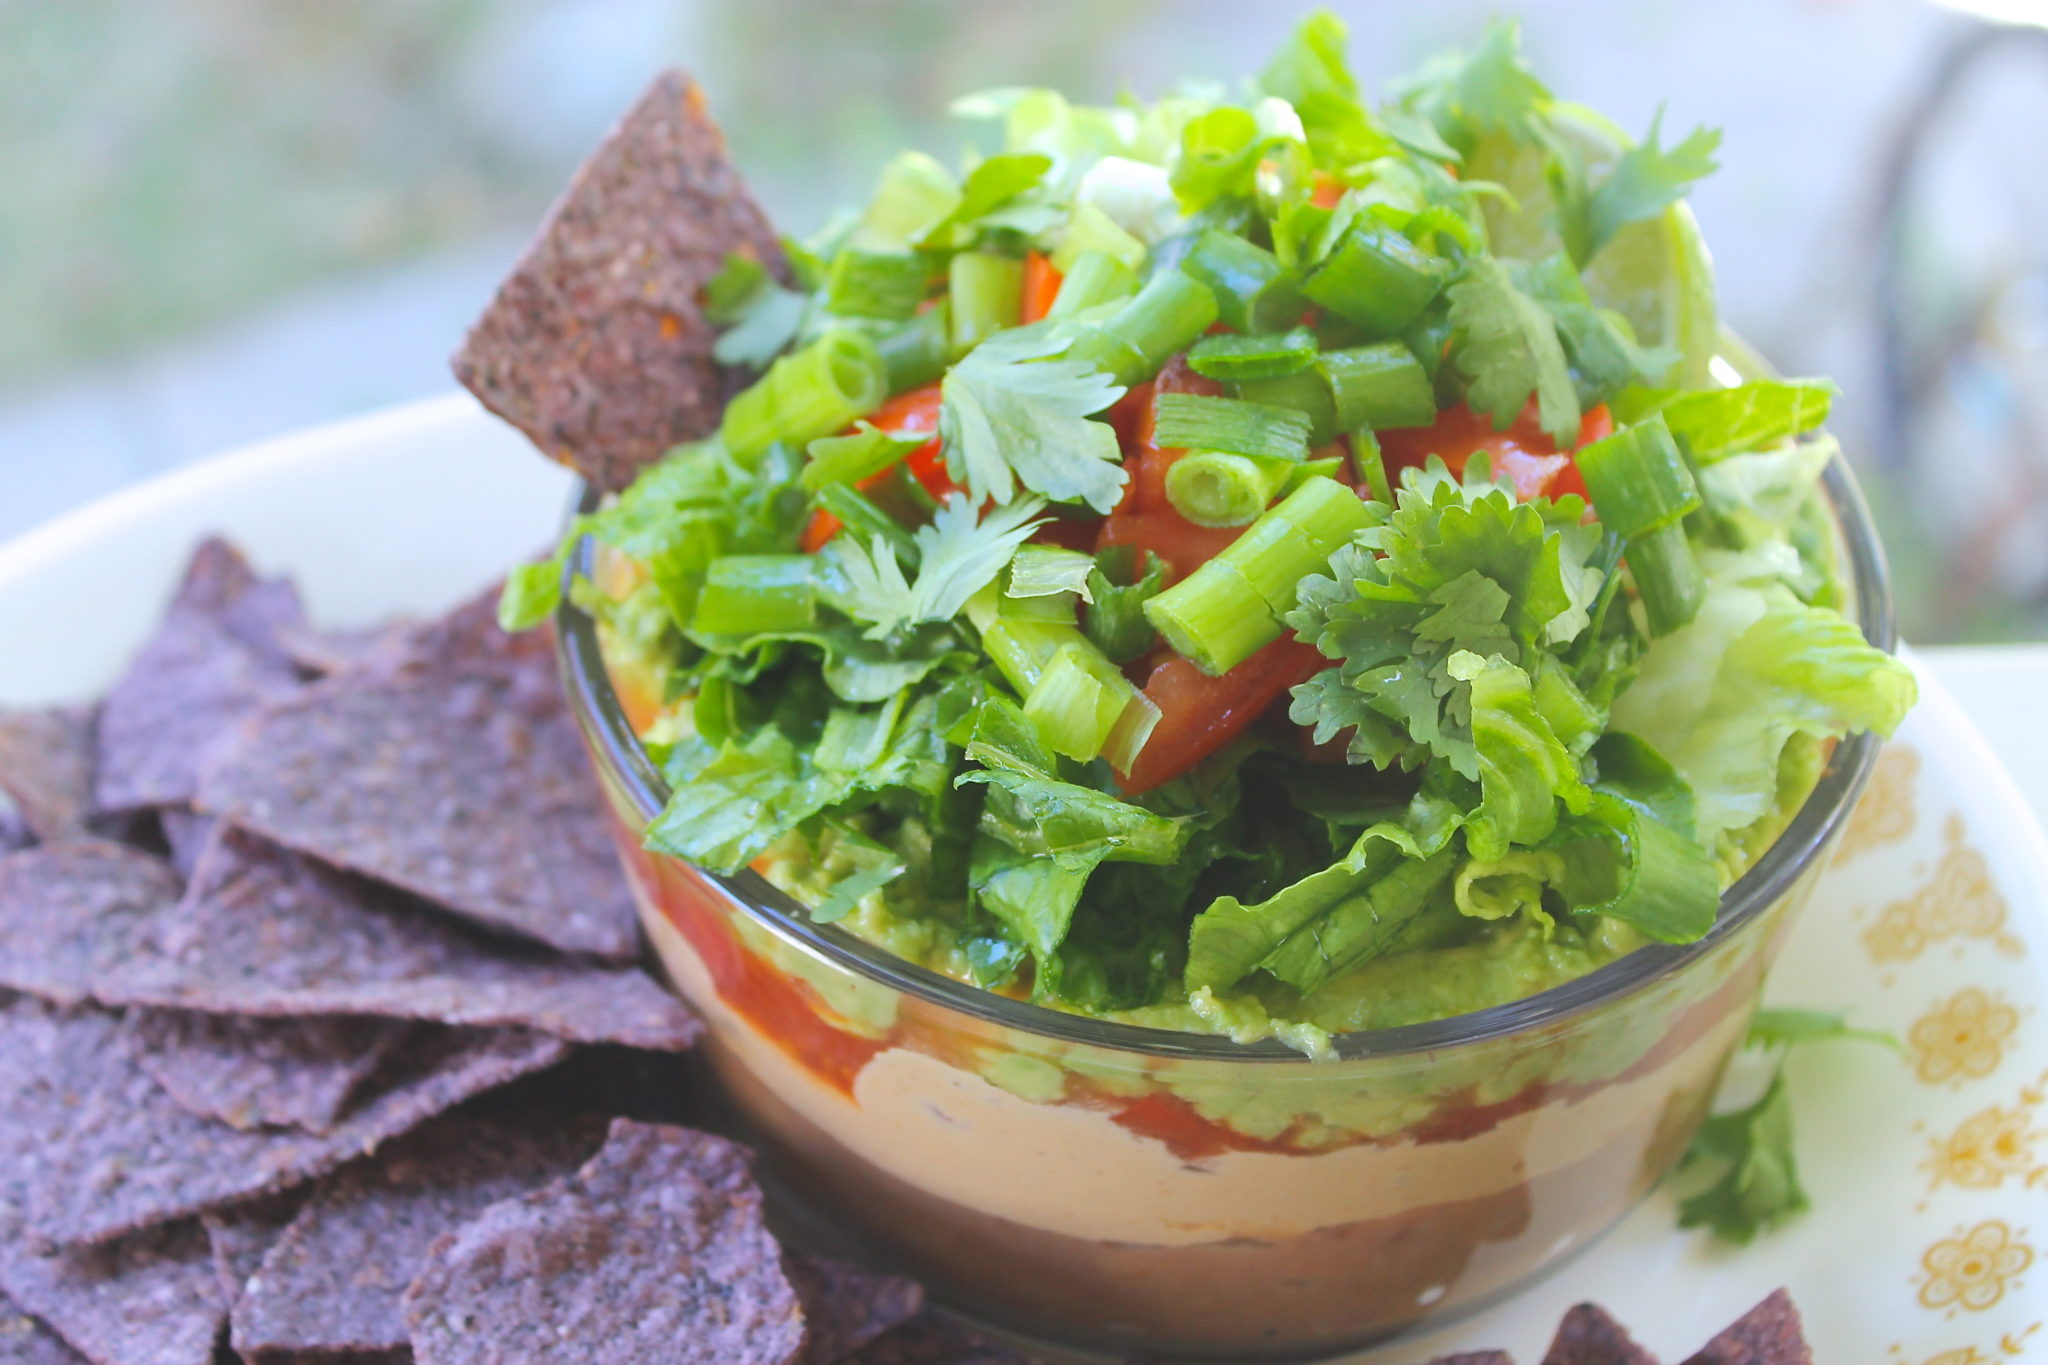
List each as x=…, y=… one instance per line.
x=596, y=346
x=653, y=1251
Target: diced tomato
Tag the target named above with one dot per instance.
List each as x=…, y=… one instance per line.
x=1069, y=533
x=1199, y=714
x=1041, y=285
x=1183, y=545
x=1325, y=190
x=1523, y=452
x=914, y=412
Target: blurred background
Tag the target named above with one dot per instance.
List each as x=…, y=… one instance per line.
x=223, y=219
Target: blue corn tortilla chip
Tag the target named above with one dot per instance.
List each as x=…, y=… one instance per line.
x=24, y=1341
x=264, y=1073
x=238, y=1236
x=263, y=931
x=185, y=833
x=456, y=774
x=597, y=346
x=1768, y=1334
x=146, y=1300
x=46, y=768
x=92, y=1148
x=71, y=912
x=846, y=1306
x=332, y=1282
x=216, y=655
x=653, y=1251
x=1590, y=1336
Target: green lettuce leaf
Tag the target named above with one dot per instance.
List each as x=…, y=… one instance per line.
x=1714, y=423
x=1720, y=697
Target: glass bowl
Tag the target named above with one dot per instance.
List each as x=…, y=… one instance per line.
x=1109, y=1187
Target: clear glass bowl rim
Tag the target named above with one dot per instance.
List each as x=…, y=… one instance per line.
x=626, y=765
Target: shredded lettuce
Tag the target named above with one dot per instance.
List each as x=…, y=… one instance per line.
x=1720, y=697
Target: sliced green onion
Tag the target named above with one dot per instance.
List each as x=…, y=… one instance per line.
x=1668, y=577
x=1021, y=648
x=1637, y=479
x=1096, y=277
x=1167, y=315
x=1090, y=229
x=987, y=293
x=1193, y=421
x=1131, y=730
x=1214, y=488
x=1371, y=463
x=1214, y=618
x=1057, y=607
x=1377, y=278
x=1254, y=292
x=914, y=195
x=1307, y=393
x=1329, y=467
x=756, y=595
x=864, y=521
x=876, y=284
x=1378, y=387
x=1044, y=570
x=1077, y=701
x=1268, y=356
x=916, y=353
x=811, y=393
x=1219, y=156
x=1116, y=618
x=1295, y=539
x=1441, y=220
x=864, y=453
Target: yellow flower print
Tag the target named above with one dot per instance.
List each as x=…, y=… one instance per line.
x=1963, y=1037
x=1973, y=1270
x=1991, y=1145
x=1885, y=814
x=1959, y=901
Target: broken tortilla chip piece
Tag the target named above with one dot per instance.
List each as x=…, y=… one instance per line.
x=332, y=1282
x=46, y=761
x=1768, y=1334
x=456, y=774
x=597, y=346
x=216, y=654
x=146, y=1300
x=264, y=1073
x=653, y=1251
x=95, y=1149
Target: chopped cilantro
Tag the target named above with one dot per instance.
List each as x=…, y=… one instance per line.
x=1011, y=416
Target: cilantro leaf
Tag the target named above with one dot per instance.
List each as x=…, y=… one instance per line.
x=1489, y=89
x=993, y=183
x=1599, y=344
x=1455, y=567
x=958, y=556
x=1646, y=180
x=1794, y=1027
x=1506, y=346
x=759, y=316
x=1759, y=1187
x=1010, y=416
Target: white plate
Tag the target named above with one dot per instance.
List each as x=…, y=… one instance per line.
x=1928, y=1243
